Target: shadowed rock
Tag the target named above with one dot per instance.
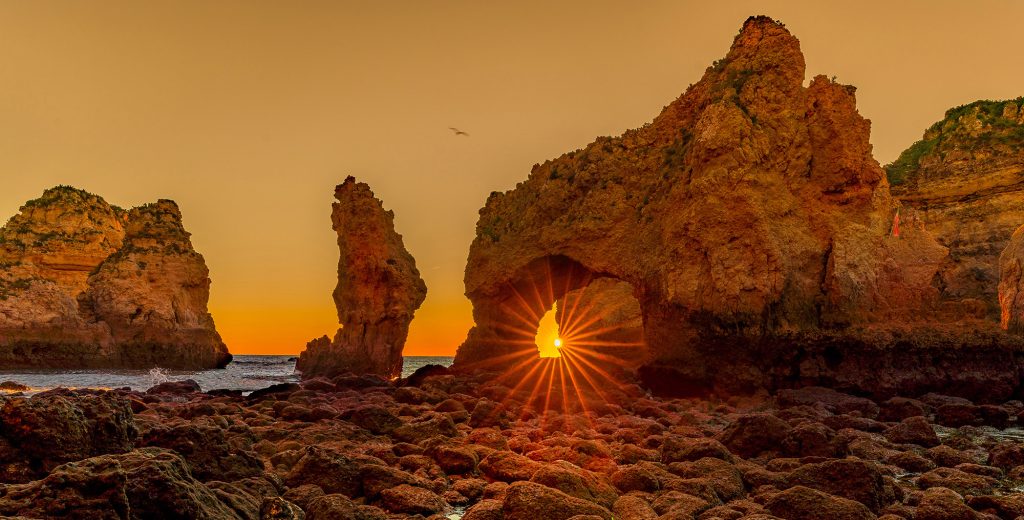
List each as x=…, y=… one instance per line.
x=379, y=290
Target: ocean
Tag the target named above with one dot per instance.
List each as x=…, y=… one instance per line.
x=245, y=373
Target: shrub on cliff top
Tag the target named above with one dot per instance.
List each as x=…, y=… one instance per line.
x=997, y=132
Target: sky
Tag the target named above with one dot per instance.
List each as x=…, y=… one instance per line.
x=247, y=113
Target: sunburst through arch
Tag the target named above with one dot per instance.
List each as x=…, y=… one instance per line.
x=565, y=343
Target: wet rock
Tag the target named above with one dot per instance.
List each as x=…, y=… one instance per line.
x=93, y=488
x=722, y=477
x=848, y=478
x=508, y=467
x=485, y=510
x=810, y=439
x=913, y=430
x=956, y=415
x=187, y=386
x=277, y=508
x=833, y=401
x=635, y=477
x=426, y=427
x=278, y=391
x=750, y=435
x=13, y=386
x=207, y=450
x=411, y=500
x=1009, y=506
x=376, y=419
x=488, y=413
x=947, y=456
x=158, y=485
x=332, y=471
x=332, y=507
x=939, y=503
x=630, y=507
x=303, y=494
x=959, y=481
x=679, y=503
x=681, y=449
x=575, y=481
x=59, y=426
x=531, y=501
x=421, y=374
x=1006, y=455
x=376, y=479
x=802, y=503
x=353, y=381
x=899, y=408
x=456, y=460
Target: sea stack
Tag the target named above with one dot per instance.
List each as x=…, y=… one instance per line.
x=965, y=181
x=757, y=232
x=378, y=291
x=84, y=284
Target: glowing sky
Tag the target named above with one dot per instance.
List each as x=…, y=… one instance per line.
x=249, y=112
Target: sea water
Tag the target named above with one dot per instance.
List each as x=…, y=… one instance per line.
x=245, y=373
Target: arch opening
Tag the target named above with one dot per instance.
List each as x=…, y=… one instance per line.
x=549, y=338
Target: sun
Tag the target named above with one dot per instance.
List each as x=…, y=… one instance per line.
x=549, y=339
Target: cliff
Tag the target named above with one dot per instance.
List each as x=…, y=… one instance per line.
x=378, y=291
x=87, y=284
x=751, y=208
x=965, y=181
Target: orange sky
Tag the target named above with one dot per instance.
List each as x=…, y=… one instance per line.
x=249, y=112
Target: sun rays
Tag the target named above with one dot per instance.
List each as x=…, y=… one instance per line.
x=558, y=347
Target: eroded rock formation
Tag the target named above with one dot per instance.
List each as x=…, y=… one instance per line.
x=1011, y=284
x=87, y=284
x=750, y=209
x=965, y=180
x=379, y=290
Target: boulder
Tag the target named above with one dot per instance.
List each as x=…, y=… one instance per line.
x=802, y=503
x=332, y=471
x=750, y=435
x=531, y=501
x=60, y=425
x=913, y=430
x=411, y=500
x=149, y=483
x=854, y=479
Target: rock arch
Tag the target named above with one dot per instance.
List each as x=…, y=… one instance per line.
x=597, y=312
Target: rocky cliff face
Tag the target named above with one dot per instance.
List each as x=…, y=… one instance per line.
x=1011, y=284
x=965, y=180
x=750, y=208
x=87, y=284
x=379, y=290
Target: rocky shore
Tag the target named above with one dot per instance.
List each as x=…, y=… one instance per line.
x=445, y=446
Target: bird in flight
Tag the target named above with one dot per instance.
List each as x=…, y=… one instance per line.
x=457, y=131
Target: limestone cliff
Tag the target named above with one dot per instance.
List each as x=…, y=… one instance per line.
x=378, y=291
x=750, y=208
x=965, y=180
x=87, y=284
